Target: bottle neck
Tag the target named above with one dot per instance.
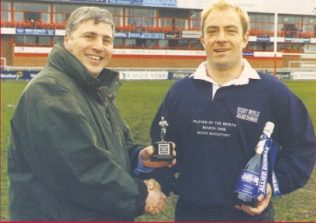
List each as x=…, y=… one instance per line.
x=260, y=146
x=262, y=142
x=266, y=134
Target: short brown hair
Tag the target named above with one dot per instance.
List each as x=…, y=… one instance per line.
x=86, y=13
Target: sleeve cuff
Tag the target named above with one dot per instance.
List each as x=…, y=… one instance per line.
x=143, y=193
x=141, y=169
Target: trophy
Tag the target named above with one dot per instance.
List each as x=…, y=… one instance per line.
x=163, y=149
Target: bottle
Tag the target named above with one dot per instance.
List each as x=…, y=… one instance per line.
x=247, y=185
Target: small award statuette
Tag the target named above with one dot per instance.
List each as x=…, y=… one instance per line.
x=163, y=149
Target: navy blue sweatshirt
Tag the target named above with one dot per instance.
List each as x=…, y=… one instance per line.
x=215, y=137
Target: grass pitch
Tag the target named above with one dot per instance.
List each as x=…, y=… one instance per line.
x=138, y=102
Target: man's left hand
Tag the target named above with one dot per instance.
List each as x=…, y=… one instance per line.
x=263, y=203
x=146, y=154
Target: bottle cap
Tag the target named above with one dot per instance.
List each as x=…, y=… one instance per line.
x=268, y=128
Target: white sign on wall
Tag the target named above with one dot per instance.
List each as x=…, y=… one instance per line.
x=144, y=75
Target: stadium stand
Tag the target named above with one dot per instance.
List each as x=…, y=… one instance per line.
x=160, y=33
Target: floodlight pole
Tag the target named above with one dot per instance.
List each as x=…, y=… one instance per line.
x=275, y=43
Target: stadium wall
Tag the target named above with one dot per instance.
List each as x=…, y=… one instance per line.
x=39, y=60
x=30, y=60
x=167, y=67
x=36, y=60
x=7, y=52
x=161, y=59
x=148, y=58
x=155, y=61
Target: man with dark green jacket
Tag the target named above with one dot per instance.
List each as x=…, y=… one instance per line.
x=70, y=151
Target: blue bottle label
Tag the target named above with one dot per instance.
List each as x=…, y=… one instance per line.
x=248, y=183
x=252, y=184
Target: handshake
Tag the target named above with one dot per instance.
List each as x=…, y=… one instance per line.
x=155, y=201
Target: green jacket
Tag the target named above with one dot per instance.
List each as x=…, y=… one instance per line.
x=69, y=149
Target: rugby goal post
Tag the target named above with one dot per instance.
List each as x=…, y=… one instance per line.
x=3, y=62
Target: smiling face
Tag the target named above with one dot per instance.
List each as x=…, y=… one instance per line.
x=223, y=40
x=91, y=44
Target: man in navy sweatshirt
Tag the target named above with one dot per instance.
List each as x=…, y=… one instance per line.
x=216, y=116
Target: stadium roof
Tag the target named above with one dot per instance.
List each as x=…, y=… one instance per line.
x=307, y=7
x=303, y=7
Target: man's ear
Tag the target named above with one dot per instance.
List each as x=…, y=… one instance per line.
x=245, y=40
x=202, y=41
x=66, y=41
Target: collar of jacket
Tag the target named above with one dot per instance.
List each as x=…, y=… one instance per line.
x=63, y=60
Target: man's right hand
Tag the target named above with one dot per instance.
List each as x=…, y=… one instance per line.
x=146, y=154
x=152, y=184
